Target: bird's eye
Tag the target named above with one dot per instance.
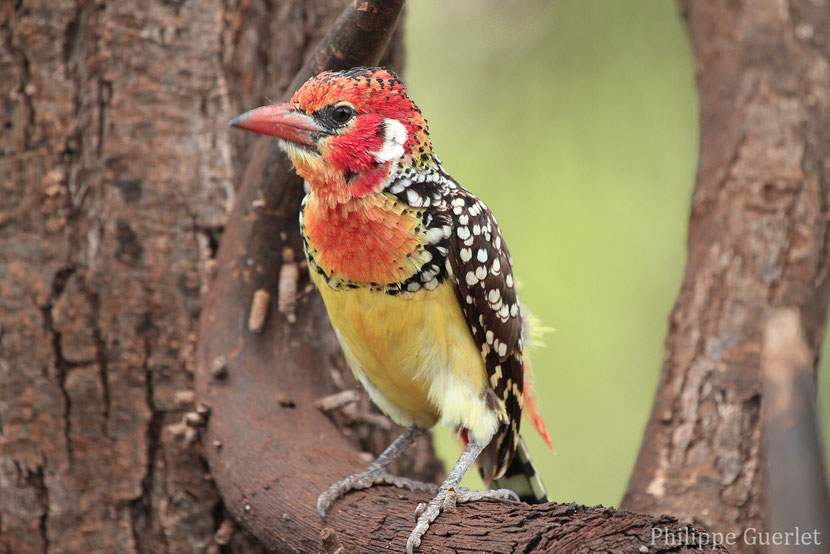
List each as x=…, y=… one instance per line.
x=342, y=114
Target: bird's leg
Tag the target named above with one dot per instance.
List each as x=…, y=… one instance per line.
x=450, y=493
x=377, y=474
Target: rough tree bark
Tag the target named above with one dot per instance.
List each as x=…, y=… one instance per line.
x=758, y=240
x=116, y=174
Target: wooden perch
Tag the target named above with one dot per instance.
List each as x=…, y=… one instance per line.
x=272, y=450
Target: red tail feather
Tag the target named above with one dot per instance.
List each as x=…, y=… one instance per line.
x=531, y=412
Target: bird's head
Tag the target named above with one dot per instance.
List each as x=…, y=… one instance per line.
x=348, y=133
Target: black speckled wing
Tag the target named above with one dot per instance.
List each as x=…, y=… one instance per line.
x=479, y=264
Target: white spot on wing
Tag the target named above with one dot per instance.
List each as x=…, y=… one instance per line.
x=413, y=198
x=434, y=234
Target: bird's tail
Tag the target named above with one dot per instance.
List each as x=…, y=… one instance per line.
x=521, y=478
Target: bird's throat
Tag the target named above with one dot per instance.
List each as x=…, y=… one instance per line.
x=364, y=241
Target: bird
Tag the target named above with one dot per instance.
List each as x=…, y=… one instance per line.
x=417, y=281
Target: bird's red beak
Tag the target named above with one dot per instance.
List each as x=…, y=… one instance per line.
x=285, y=121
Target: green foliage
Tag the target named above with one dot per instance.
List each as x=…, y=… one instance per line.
x=576, y=122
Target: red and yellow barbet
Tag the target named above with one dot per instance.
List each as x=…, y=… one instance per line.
x=416, y=278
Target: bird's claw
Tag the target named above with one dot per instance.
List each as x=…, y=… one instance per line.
x=446, y=501
x=374, y=475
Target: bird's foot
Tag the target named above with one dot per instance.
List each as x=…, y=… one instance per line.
x=445, y=501
x=374, y=475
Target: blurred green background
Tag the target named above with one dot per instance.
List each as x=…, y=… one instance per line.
x=576, y=122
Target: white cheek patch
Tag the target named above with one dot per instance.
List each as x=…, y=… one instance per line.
x=394, y=137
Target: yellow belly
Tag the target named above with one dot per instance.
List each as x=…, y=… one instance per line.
x=414, y=355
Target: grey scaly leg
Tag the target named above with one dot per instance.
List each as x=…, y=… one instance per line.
x=376, y=474
x=449, y=494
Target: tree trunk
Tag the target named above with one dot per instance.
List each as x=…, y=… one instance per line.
x=117, y=175
x=758, y=240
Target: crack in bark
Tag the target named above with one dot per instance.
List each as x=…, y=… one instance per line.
x=59, y=281
x=141, y=509
x=18, y=52
x=43, y=497
x=101, y=356
x=72, y=35
x=104, y=96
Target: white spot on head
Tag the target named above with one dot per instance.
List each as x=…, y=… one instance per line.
x=394, y=137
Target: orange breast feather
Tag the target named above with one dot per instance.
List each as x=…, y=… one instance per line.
x=365, y=240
